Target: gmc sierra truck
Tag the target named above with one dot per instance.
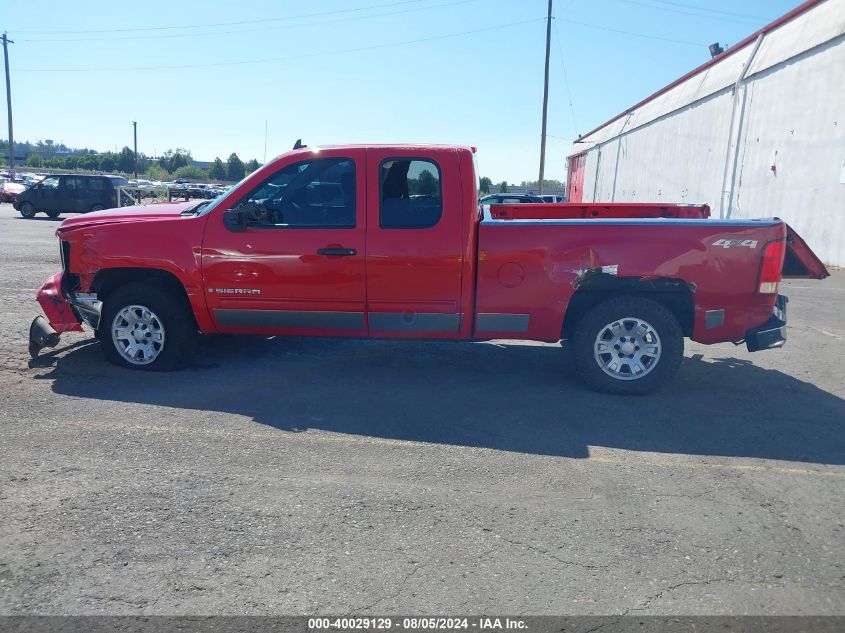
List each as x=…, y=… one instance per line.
x=390, y=241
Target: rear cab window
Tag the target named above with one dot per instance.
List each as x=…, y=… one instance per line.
x=410, y=193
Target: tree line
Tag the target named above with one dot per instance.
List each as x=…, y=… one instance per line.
x=174, y=163
x=485, y=185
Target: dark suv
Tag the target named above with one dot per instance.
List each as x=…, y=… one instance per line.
x=69, y=194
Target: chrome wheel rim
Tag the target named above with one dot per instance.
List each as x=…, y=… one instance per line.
x=627, y=349
x=137, y=334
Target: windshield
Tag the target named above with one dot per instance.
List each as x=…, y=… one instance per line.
x=207, y=206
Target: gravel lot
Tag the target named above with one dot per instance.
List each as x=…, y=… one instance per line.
x=322, y=476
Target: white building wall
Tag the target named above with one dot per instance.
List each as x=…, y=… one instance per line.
x=788, y=113
x=796, y=123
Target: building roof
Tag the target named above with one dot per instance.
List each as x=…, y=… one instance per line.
x=807, y=26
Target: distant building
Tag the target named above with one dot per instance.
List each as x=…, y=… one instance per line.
x=757, y=131
x=534, y=191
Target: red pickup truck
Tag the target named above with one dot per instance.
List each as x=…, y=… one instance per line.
x=389, y=241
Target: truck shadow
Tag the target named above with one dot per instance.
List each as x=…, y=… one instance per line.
x=521, y=398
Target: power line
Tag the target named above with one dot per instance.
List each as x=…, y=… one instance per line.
x=700, y=8
x=237, y=23
x=281, y=59
x=565, y=79
x=736, y=20
x=217, y=33
x=632, y=33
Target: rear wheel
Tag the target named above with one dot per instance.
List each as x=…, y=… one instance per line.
x=27, y=210
x=97, y=207
x=144, y=327
x=628, y=345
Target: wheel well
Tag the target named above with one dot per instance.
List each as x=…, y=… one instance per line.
x=108, y=280
x=674, y=294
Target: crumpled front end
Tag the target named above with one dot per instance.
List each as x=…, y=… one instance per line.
x=57, y=308
x=61, y=316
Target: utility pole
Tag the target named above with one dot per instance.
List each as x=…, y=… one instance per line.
x=135, y=161
x=6, y=42
x=545, y=98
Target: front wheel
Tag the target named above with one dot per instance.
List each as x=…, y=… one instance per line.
x=144, y=327
x=97, y=207
x=27, y=210
x=627, y=345
x=53, y=214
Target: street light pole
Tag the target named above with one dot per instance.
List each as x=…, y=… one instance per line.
x=6, y=42
x=135, y=155
x=545, y=99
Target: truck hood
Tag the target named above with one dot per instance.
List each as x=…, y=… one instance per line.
x=139, y=213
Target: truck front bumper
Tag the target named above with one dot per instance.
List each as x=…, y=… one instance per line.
x=772, y=333
x=65, y=312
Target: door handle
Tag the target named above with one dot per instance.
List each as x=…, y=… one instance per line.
x=337, y=252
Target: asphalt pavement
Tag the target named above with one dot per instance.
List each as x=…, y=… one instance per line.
x=303, y=476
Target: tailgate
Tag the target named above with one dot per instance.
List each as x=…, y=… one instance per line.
x=800, y=261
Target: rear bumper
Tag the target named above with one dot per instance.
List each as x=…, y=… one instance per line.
x=772, y=333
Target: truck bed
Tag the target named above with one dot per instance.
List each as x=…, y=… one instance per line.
x=573, y=211
x=530, y=268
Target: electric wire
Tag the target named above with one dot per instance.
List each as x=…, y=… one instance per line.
x=236, y=32
x=233, y=23
x=285, y=58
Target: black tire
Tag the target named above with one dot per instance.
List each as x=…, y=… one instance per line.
x=97, y=207
x=173, y=318
x=53, y=214
x=27, y=210
x=656, y=372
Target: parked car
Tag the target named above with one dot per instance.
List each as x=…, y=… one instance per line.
x=553, y=199
x=387, y=241
x=9, y=191
x=65, y=193
x=510, y=198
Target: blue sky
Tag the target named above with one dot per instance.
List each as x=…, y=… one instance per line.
x=207, y=75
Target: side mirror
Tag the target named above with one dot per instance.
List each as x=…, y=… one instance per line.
x=234, y=219
x=243, y=215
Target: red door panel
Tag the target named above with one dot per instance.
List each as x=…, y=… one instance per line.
x=299, y=273
x=414, y=243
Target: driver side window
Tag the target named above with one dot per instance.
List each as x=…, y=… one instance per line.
x=318, y=193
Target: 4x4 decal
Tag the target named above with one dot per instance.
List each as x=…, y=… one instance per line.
x=728, y=243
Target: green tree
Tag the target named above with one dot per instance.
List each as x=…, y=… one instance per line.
x=34, y=160
x=126, y=161
x=108, y=161
x=424, y=185
x=503, y=186
x=235, y=167
x=217, y=170
x=155, y=172
x=535, y=184
x=485, y=184
x=172, y=160
x=191, y=172
x=252, y=165
x=91, y=162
